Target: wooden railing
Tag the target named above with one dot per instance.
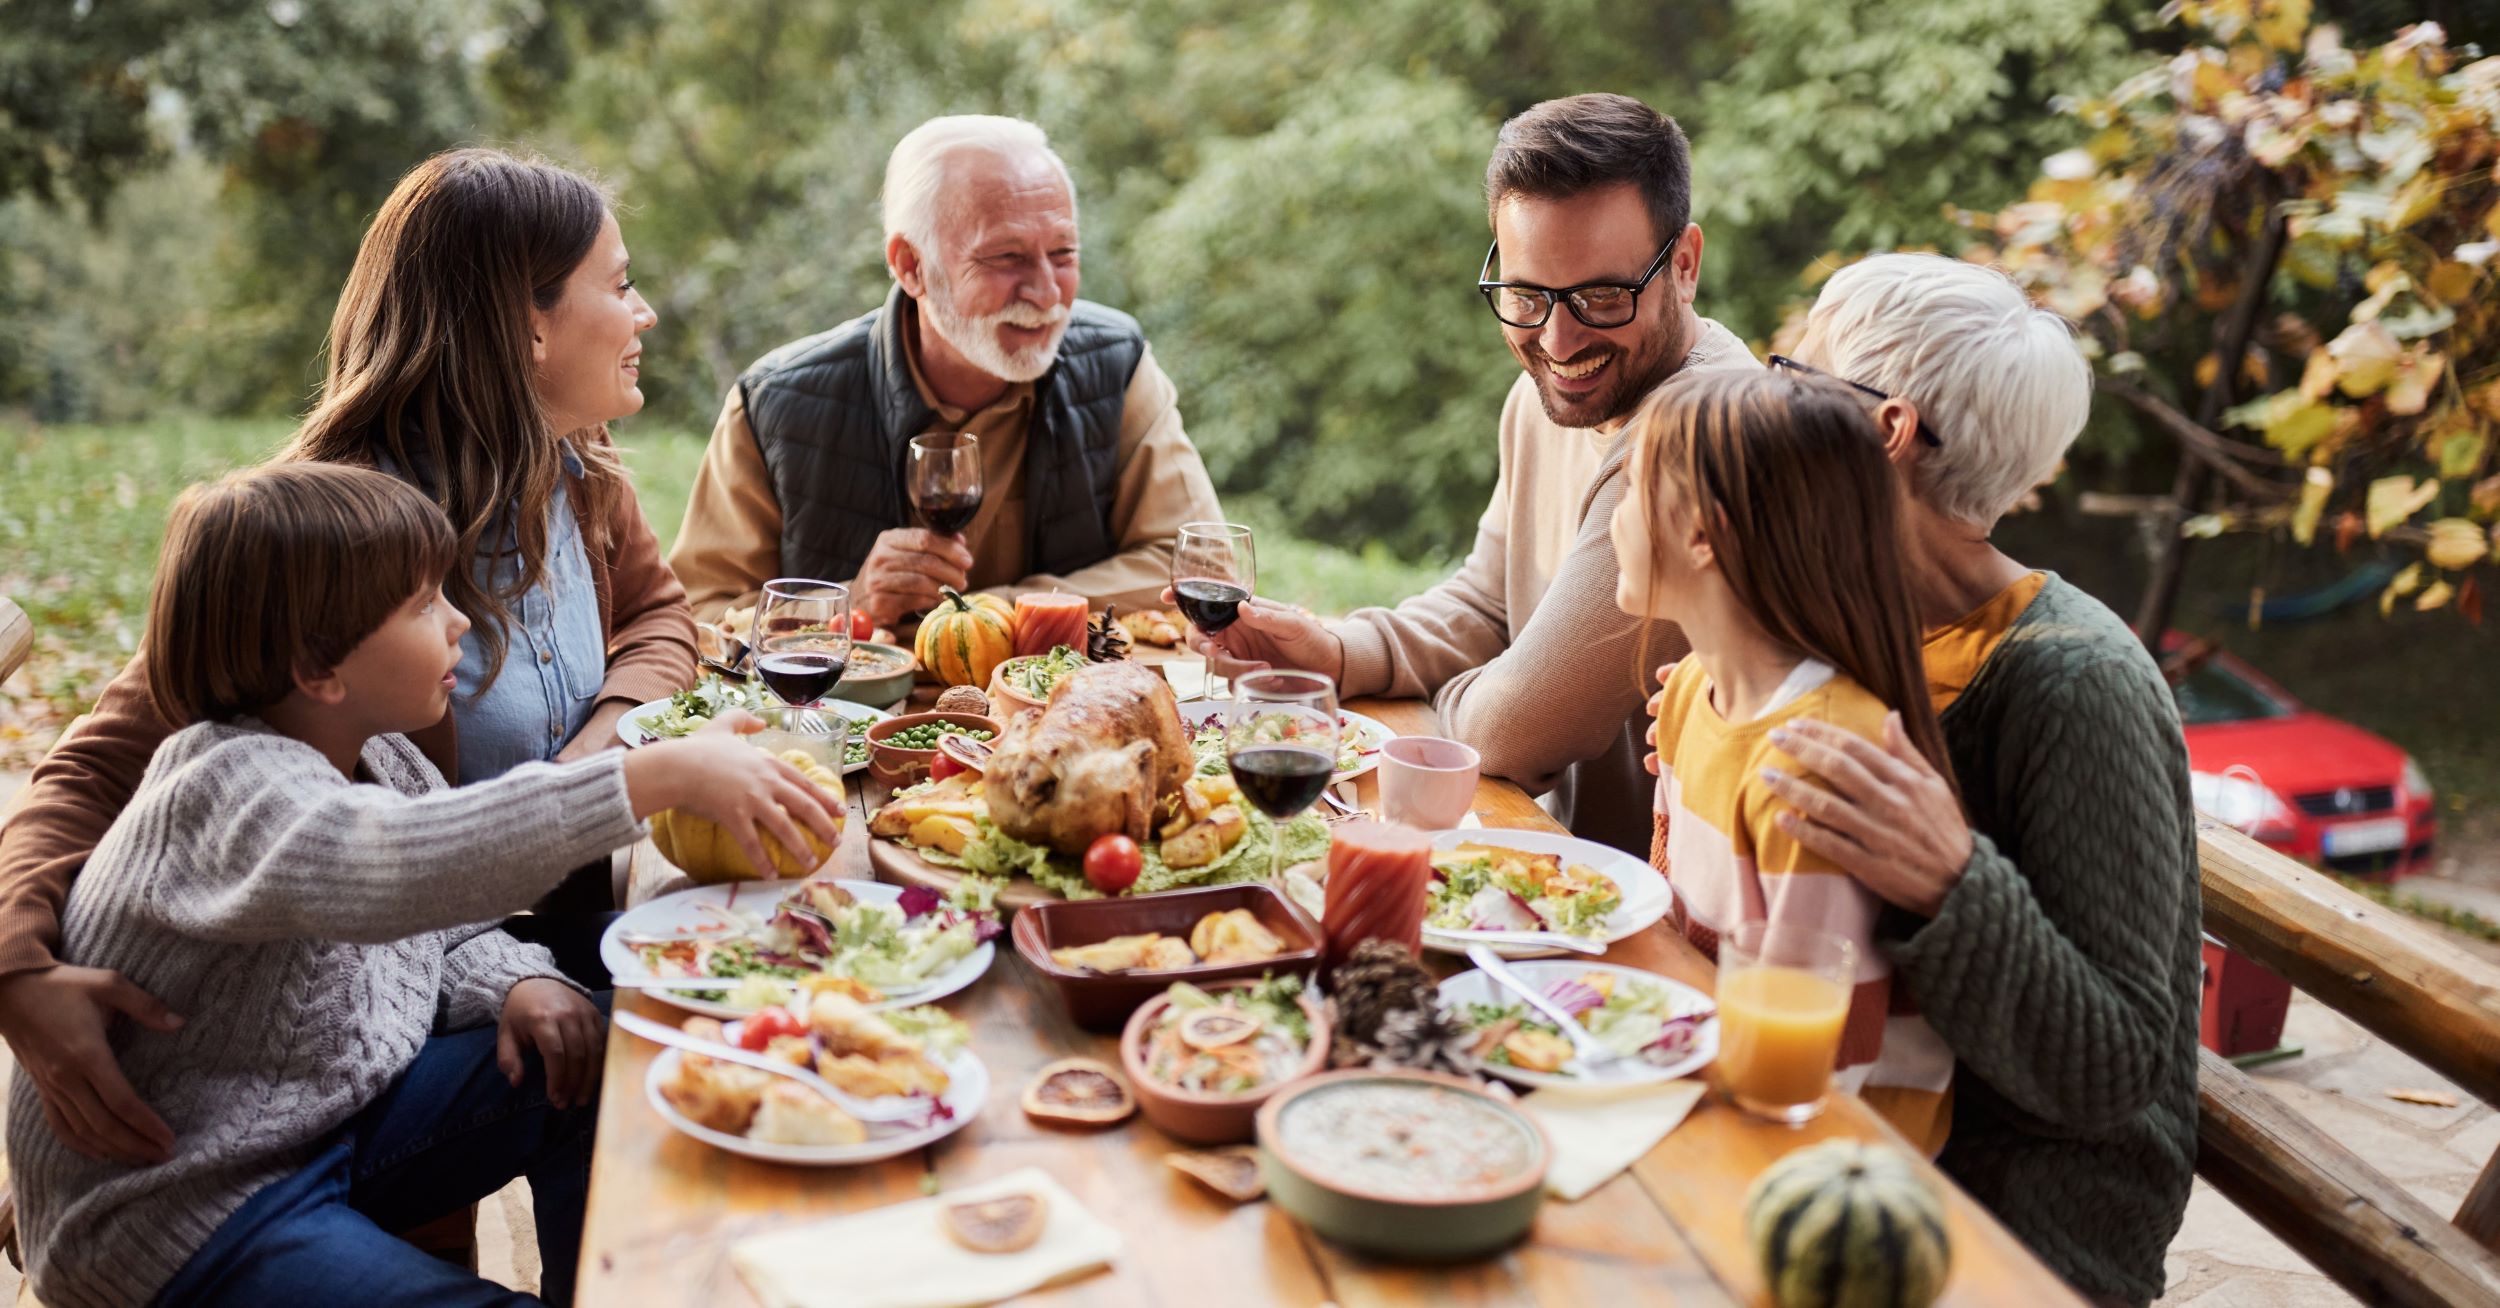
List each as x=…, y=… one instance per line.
x=2410, y=988
x=17, y=635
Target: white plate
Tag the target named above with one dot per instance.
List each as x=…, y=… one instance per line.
x=629, y=728
x=1196, y=712
x=1646, y=897
x=1474, y=987
x=681, y=913
x=968, y=1085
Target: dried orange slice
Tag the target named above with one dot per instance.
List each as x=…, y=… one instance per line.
x=1214, y=1028
x=1080, y=1091
x=1001, y=1225
x=1232, y=1173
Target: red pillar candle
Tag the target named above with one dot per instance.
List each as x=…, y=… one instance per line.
x=1378, y=876
x=1047, y=620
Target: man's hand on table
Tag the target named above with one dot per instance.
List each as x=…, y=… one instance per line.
x=55, y=1020
x=1269, y=635
x=905, y=571
x=1889, y=818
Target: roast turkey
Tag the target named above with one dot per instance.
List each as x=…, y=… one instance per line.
x=1105, y=754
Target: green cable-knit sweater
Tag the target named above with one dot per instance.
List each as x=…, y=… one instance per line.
x=2063, y=969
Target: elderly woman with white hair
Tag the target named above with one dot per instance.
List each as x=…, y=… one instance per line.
x=2046, y=925
x=1086, y=473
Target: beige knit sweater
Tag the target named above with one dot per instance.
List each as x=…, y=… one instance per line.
x=313, y=933
x=1523, y=652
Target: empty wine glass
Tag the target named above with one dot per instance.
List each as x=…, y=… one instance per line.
x=803, y=643
x=1281, y=742
x=945, y=480
x=1215, y=567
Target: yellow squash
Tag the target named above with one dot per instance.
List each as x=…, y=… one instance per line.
x=701, y=849
x=965, y=639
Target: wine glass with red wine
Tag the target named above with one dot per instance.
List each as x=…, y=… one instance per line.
x=1215, y=567
x=1281, y=742
x=946, y=480
x=802, y=643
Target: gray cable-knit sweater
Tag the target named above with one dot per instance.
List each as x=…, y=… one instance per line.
x=313, y=932
x=2064, y=967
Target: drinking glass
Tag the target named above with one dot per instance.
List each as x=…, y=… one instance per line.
x=1783, y=998
x=1215, y=568
x=1281, y=742
x=945, y=480
x=802, y=643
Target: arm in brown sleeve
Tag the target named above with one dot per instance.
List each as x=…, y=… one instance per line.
x=1563, y=688
x=74, y=795
x=730, y=542
x=650, y=630
x=1162, y=484
x=1411, y=651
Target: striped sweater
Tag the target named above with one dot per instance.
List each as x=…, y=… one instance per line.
x=1719, y=845
x=313, y=932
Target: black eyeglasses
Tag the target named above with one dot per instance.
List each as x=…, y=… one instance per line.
x=1925, y=433
x=1598, y=304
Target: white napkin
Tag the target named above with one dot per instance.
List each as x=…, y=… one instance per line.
x=1188, y=676
x=900, y=1256
x=1598, y=1131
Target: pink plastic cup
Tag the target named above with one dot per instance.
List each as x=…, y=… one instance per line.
x=1427, y=782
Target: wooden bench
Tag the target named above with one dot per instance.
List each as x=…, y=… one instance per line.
x=2407, y=986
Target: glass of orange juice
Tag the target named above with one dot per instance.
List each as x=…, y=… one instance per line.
x=1783, y=997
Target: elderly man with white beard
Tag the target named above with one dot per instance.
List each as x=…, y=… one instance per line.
x=1087, y=475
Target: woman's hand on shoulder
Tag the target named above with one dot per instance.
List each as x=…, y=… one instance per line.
x=1883, y=814
x=751, y=793
x=1657, y=701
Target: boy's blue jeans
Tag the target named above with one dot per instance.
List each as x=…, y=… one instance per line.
x=449, y=1132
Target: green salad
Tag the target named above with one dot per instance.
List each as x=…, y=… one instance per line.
x=1634, y=1018
x=689, y=711
x=1487, y=888
x=1035, y=676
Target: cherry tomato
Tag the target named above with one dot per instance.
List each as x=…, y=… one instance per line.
x=764, y=1024
x=863, y=627
x=944, y=766
x=1112, y=863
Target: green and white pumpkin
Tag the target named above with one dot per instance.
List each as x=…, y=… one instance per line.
x=1846, y=1225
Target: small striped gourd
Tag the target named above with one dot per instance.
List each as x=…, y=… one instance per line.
x=965, y=639
x=1847, y=1225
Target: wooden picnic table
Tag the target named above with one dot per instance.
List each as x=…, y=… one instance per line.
x=664, y=1208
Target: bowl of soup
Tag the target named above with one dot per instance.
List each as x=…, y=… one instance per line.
x=1403, y=1164
x=879, y=676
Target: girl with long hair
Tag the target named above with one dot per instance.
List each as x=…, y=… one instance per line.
x=487, y=333
x=1760, y=514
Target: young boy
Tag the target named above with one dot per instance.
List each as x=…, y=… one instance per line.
x=358, y=1055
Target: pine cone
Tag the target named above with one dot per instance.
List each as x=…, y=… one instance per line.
x=1386, y=1011
x=1425, y=1039
x=1106, y=641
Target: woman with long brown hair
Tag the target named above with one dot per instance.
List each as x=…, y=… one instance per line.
x=487, y=334
x=1759, y=513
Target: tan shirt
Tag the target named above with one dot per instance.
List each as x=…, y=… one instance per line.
x=730, y=544
x=1523, y=652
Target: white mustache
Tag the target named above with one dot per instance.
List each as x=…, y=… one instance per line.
x=1023, y=314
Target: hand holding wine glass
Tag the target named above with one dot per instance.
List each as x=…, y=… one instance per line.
x=1281, y=743
x=1215, y=567
x=803, y=640
x=945, y=480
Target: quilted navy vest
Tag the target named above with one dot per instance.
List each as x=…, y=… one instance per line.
x=834, y=415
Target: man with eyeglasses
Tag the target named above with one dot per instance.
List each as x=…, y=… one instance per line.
x=1592, y=274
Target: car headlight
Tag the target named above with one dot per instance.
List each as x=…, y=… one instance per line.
x=2237, y=801
x=2416, y=784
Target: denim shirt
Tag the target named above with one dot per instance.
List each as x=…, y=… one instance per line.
x=555, y=655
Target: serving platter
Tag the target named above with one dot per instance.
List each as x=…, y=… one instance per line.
x=698, y=911
x=1474, y=987
x=1646, y=895
x=968, y=1085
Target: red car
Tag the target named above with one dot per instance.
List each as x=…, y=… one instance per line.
x=2316, y=787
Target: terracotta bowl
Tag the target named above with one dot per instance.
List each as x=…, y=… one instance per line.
x=1005, y=701
x=1101, y=1001
x=1443, y=1224
x=1210, y=1118
x=897, y=767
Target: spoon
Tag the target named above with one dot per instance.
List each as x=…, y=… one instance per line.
x=1596, y=1058
x=1475, y=940
x=891, y=1108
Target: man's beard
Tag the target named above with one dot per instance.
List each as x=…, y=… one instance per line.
x=1631, y=374
x=977, y=338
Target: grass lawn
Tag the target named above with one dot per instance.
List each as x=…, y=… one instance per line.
x=82, y=510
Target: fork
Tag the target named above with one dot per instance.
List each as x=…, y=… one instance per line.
x=889, y=1108
x=1595, y=1057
